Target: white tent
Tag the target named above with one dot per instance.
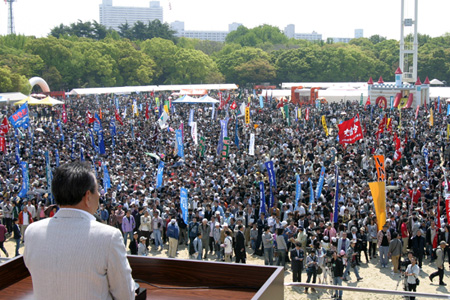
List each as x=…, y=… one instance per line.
x=436, y=82
x=186, y=99
x=12, y=97
x=207, y=99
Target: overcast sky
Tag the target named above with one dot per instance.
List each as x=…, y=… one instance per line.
x=331, y=18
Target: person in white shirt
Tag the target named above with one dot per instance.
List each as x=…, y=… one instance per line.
x=412, y=273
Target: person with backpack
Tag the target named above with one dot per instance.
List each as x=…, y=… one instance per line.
x=439, y=263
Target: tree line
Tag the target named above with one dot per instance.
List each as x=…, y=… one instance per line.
x=86, y=54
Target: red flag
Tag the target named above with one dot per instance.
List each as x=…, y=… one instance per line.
x=228, y=99
x=417, y=111
x=2, y=144
x=4, y=127
x=389, y=126
x=147, y=116
x=398, y=149
x=367, y=103
x=118, y=118
x=280, y=104
x=222, y=103
x=350, y=131
x=439, y=212
x=152, y=93
x=435, y=240
x=90, y=117
x=64, y=114
x=233, y=105
x=307, y=114
x=381, y=127
x=435, y=106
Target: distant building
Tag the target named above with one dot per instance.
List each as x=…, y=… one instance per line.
x=289, y=31
x=359, y=33
x=341, y=40
x=113, y=16
x=217, y=36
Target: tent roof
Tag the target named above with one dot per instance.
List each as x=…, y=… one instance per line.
x=150, y=88
x=11, y=97
x=186, y=99
x=29, y=99
x=50, y=101
x=436, y=81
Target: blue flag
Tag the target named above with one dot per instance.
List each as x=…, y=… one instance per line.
x=184, y=204
x=61, y=129
x=25, y=180
x=93, y=140
x=81, y=154
x=112, y=128
x=272, y=199
x=20, y=118
x=448, y=109
x=48, y=173
x=220, y=144
x=311, y=194
x=17, y=151
x=439, y=102
x=213, y=111
x=336, y=197
x=236, y=134
x=298, y=189
x=224, y=128
x=101, y=140
x=180, y=146
x=320, y=184
x=425, y=155
x=72, y=154
x=31, y=146
x=159, y=175
x=106, y=178
x=191, y=117
x=270, y=170
x=262, y=197
x=261, y=101
x=57, y=157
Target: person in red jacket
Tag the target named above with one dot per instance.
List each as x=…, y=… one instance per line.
x=415, y=194
x=25, y=219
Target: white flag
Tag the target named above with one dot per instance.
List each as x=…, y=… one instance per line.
x=242, y=109
x=194, y=132
x=251, y=150
x=163, y=120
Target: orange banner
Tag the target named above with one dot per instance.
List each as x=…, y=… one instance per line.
x=379, y=164
x=378, y=190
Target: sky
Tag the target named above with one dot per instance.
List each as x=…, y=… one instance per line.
x=330, y=18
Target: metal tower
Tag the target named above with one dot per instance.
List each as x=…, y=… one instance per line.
x=409, y=44
x=11, y=29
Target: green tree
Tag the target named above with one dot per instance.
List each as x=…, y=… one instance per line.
x=255, y=71
x=257, y=37
x=163, y=53
x=13, y=82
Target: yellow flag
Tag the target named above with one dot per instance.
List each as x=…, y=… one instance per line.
x=324, y=124
x=157, y=101
x=166, y=108
x=249, y=99
x=299, y=113
x=387, y=123
x=431, y=117
x=282, y=111
x=378, y=190
x=247, y=115
x=400, y=119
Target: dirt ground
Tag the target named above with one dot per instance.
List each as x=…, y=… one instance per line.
x=373, y=277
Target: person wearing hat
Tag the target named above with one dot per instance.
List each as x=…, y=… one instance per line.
x=439, y=263
x=142, y=248
x=173, y=235
x=134, y=244
x=384, y=238
x=297, y=256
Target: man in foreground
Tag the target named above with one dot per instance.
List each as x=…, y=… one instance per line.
x=89, y=258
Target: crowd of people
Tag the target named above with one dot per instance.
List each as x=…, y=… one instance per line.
x=225, y=218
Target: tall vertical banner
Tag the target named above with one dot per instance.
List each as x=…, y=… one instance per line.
x=271, y=173
x=2, y=144
x=320, y=184
x=311, y=194
x=226, y=147
x=298, y=190
x=262, y=198
x=213, y=111
x=247, y=115
x=17, y=151
x=378, y=190
x=184, y=204
x=57, y=158
x=236, y=134
x=25, y=180
x=431, y=117
x=191, y=117
x=425, y=156
x=324, y=124
x=261, y=101
x=447, y=206
x=112, y=128
x=61, y=129
x=106, y=178
x=251, y=150
x=159, y=174
x=179, y=141
x=193, y=133
x=202, y=146
x=336, y=196
x=74, y=141
x=224, y=127
x=64, y=114
x=286, y=113
x=379, y=164
x=48, y=173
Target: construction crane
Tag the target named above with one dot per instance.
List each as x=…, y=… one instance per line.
x=11, y=29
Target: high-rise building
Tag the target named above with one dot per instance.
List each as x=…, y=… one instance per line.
x=113, y=16
x=233, y=26
x=359, y=33
x=289, y=31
